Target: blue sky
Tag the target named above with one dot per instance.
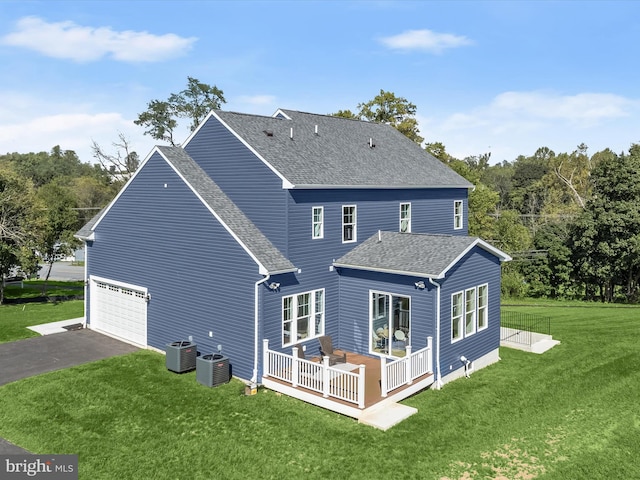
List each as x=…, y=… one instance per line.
x=500, y=77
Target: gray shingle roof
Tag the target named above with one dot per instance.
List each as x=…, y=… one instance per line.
x=249, y=236
x=415, y=254
x=87, y=229
x=339, y=154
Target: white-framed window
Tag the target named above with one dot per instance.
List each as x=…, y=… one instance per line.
x=405, y=218
x=317, y=229
x=457, y=314
x=458, y=207
x=349, y=233
x=483, y=306
x=470, y=311
x=390, y=323
x=302, y=316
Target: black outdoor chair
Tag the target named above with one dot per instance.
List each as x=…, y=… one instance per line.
x=326, y=350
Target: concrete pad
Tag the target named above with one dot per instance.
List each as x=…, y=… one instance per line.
x=544, y=345
x=386, y=417
x=55, y=327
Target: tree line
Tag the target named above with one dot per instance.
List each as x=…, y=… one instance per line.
x=571, y=221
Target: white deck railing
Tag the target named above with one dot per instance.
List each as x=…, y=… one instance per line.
x=405, y=370
x=331, y=382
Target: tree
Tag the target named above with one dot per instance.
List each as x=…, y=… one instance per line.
x=56, y=225
x=606, y=236
x=121, y=164
x=438, y=150
x=387, y=108
x=194, y=102
x=16, y=211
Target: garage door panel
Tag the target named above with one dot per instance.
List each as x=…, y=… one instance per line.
x=119, y=310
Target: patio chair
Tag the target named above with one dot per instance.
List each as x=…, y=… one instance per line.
x=326, y=350
x=378, y=342
x=401, y=337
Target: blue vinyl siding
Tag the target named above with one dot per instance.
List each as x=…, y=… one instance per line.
x=199, y=277
x=476, y=268
x=355, y=287
x=252, y=186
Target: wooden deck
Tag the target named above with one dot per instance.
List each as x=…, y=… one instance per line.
x=373, y=392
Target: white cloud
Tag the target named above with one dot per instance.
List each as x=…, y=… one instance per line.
x=68, y=40
x=30, y=130
x=425, y=40
x=518, y=123
x=256, y=99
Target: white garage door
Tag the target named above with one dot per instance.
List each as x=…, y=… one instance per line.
x=119, y=309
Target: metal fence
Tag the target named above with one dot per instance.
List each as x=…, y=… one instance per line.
x=519, y=327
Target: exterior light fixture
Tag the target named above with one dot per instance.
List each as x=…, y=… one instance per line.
x=420, y=285
x=274, y=285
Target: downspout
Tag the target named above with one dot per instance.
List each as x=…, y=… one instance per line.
x=86, y=283
x=438, y=375
x=256, y=313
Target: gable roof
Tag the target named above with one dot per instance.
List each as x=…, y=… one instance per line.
x=269, y=259
x=320, y=151
x=414, y=254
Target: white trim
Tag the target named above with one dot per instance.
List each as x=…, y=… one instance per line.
x=311, y=326
x=354, y=223
x=280, y=112
x=285, y=183
x=461, y=318
x=458, y=215
x=389, y=296
x=313, y=222
x=314, y=186
x=408, y=219
x=473, y=311
x=122, y=190
x=486, y=308
x=94, y=316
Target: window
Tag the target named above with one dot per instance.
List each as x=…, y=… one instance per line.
x=318, y=223
x=456, y=316
x=405, y=217
x=483, y=306
x=349, y=223
x=302, y=316
x=390, y=323
x=469, y=311
x=457, y=214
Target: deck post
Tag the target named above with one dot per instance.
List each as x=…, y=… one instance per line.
x=325, y=377
x=430, y=356
x=361, y=387
x=409, y=362
x=383, y=376
x=294, y=367
x=265, y=357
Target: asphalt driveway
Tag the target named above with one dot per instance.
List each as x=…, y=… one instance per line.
x=37, y=355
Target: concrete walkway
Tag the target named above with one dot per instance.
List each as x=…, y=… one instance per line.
x=53, y=351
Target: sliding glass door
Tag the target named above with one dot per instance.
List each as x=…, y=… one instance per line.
x=390, y=323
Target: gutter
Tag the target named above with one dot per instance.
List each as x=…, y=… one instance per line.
x=254, y=378
x=438, y=375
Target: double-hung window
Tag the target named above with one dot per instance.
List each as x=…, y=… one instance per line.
x=483, y=306
x=457, y=214
x=457, y=313
x=317, y=229
x=349, y=233
x=405, y=218
x=302, y=316
x=469, y=312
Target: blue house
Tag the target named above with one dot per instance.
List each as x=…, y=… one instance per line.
x=262, y=235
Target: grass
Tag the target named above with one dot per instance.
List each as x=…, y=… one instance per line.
x=569, y=413
x=14, y=319
x=33, y=289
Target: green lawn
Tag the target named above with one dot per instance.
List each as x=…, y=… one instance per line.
x=14, y=319
x=571, y=413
